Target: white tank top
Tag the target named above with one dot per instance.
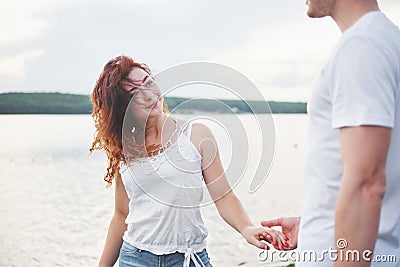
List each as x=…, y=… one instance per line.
x=165, y=193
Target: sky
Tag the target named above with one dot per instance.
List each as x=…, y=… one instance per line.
x=62, y=45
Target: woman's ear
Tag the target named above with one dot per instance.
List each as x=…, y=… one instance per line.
x=165, y=106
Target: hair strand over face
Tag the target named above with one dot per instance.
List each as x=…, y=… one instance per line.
x=110, y=102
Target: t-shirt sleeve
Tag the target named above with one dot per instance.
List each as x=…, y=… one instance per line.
x=363, y=85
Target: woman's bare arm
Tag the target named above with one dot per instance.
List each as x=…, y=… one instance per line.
x=229, y=206
x=117, y=226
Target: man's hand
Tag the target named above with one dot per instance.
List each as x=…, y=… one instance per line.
x=254, y=235
x=290, y=228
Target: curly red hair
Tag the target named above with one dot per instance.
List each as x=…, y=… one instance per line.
x=110, y=102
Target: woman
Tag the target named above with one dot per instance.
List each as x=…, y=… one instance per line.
x=157, y=216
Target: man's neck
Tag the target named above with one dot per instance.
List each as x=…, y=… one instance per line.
x=346, y=13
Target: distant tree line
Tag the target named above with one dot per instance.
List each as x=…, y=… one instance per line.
x=44, y=103
x=58, y=103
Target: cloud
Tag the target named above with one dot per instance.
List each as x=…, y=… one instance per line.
x=81, y=37
x=63, y=45
x=18, y=20
x=12, y=68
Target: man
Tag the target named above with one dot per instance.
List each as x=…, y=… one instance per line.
x=352, y=163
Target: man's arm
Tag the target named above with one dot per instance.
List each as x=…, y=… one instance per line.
x=364, y=152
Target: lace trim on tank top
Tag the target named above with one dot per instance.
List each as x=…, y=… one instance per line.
x=177, y=151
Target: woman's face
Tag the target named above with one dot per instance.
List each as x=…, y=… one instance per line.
x=146, y=96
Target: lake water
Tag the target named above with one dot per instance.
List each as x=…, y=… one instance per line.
x=55, y=208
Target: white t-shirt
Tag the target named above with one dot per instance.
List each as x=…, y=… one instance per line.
x=359, y=85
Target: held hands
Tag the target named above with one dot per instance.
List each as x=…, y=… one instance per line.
x=290, y=228
x=254, y=235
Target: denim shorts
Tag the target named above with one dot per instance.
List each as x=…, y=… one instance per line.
x=131, y=256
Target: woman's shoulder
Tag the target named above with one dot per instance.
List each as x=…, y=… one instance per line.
x=201, y=135
x=201, y=130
